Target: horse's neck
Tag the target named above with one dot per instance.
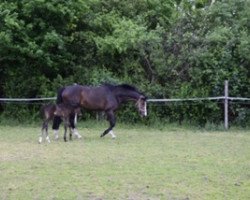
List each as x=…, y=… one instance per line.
x=125, y=95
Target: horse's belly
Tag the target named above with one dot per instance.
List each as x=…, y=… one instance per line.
x=96, y=99
x=91, y=105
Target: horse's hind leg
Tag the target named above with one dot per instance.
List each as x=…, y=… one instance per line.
x=56, y=123
x=72, y=126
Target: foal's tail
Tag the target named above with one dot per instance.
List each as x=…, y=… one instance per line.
x=59, y=95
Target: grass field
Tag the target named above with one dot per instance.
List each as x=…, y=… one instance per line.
x=141, y=163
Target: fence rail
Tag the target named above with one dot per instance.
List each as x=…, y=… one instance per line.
x=149, y=100
x=226, y=98
x=186, y=99
x=27, y=99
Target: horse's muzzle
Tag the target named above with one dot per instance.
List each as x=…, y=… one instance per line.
x=143, y=113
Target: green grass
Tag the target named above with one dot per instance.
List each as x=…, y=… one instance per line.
x=142, y=163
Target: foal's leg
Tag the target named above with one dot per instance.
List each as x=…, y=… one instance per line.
x=47, y=133
x=111, y=119
x=44, y=129
x=42, y=133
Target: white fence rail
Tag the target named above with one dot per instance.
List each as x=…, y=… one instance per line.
x=187, y=99
x=200, y=99
x=26, y=100
x=149, y=100
x=226, y=98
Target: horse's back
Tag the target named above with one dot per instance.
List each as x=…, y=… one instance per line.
x=89, y=97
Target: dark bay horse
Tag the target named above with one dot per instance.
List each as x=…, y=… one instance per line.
x=105, y=98
x=48, y=112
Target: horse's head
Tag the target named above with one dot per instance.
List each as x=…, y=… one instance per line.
x=141, y=105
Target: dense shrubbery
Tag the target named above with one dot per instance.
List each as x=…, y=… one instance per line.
x=169, y=49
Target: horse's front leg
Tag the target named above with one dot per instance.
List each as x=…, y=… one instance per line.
x=56, y=123
x=112, y=120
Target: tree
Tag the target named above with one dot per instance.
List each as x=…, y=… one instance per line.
x=168, y=48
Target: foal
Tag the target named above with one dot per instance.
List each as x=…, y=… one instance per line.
x=48, y=114
x=66, y=112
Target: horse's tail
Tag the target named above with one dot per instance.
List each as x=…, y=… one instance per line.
x=57, y=120
x=59, y=95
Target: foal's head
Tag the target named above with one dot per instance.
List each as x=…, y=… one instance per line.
x=63, y=110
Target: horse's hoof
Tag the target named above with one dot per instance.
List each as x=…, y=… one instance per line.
x=48, y=140
x=79, y=136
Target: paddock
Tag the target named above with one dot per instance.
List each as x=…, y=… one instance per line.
x=169, y=162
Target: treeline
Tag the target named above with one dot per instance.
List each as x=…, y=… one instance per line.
x=167, y=48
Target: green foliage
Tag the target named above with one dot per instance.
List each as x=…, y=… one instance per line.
x=167, y=48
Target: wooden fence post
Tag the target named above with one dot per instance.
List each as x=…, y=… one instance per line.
x=226, y=105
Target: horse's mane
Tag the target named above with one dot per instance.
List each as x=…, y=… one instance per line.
x=122, y=86
x=128, y=87
x=109, y=85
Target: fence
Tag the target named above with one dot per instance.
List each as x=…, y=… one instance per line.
x=226, y=98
